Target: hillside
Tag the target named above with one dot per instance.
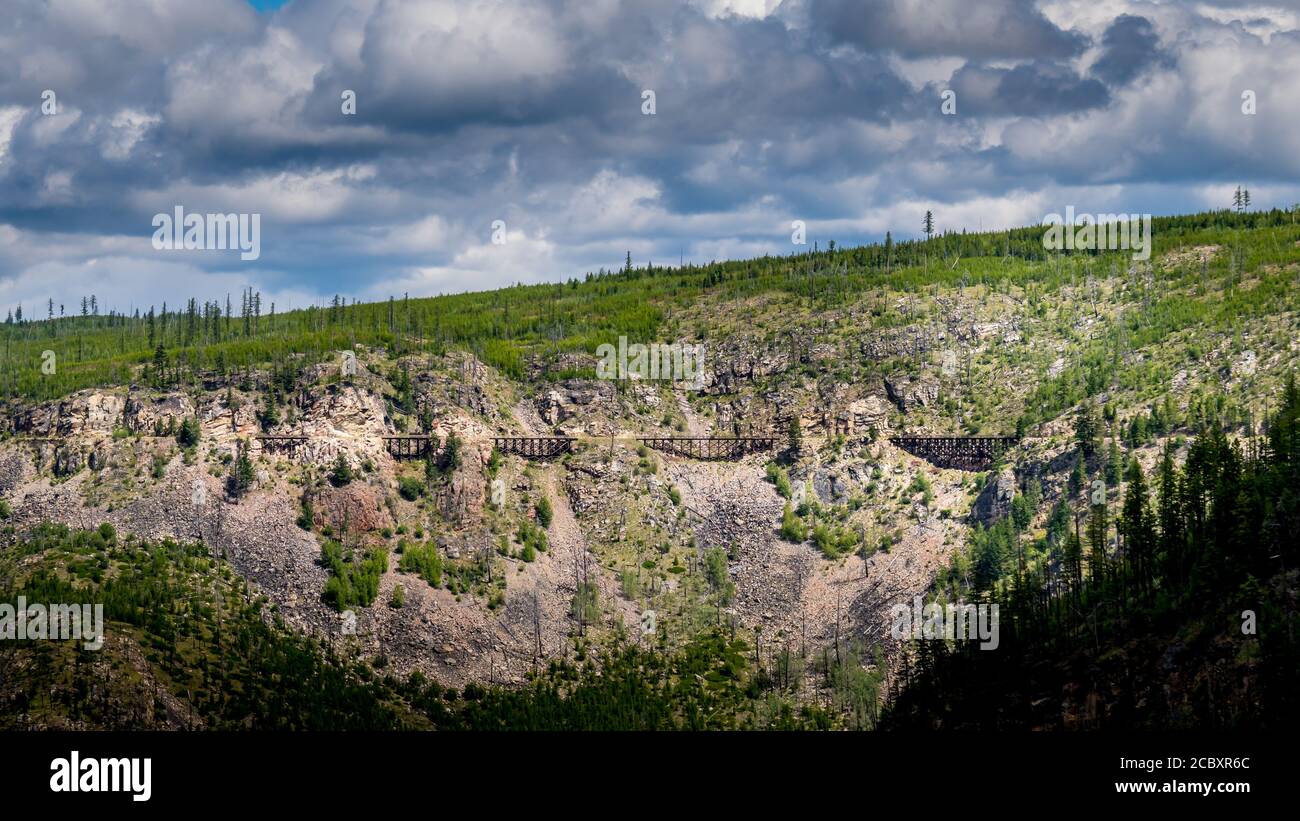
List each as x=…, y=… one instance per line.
x=770, y=577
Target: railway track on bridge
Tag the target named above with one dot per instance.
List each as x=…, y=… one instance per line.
x=961, y=452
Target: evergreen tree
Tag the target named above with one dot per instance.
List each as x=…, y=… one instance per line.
x=241, y=475
x=1087, y=430
x=1098, y=529
x=795, y=435
x=1138, y=530
x=341, y=474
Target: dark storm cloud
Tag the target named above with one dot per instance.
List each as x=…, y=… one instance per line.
x=1129, y=47
x=1034, y=89
x=988, y=29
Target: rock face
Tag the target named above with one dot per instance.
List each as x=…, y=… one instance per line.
x=830, y=486
x=869, y=414
x=910, y=392
x=909, y=341
x=438, y=394
x=337, y=419
x=744, y=412
x=572, y=397
x=461, y=499
x=143, y=414
x=358, y=506
x=741, y=360
x=67, y=461
x=84, y=413
x=994, y=500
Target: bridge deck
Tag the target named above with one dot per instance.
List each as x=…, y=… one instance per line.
x=534, y=447
x=405, y=446
x=962, y=452
x=709, y=447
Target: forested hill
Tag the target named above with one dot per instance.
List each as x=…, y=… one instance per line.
x=521, y=330
x=1191, y=623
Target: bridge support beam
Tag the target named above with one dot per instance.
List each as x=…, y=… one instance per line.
x=961, y=452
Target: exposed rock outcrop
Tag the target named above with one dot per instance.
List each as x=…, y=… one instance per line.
x=356, y=507
x=573, y=397
x=144, y=414
x=994, y=500
x=912, y=392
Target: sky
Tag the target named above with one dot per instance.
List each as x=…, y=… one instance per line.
x=502, y=141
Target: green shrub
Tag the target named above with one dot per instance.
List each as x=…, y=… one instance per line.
x=532, y=537
x=352, y=582
x=423, y=560
x=779, y=477
x=410, y=488
x=793, y=528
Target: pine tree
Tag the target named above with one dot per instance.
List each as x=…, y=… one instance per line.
x=1138, y=530
x=159, y=362
x=795, y=437
x=341, y=474
x=1087, y=430
x=1098, y=526
x=241, y=475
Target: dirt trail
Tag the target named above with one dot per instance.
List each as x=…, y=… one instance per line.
x=694, y=425
x=571, y=552
x=526, y=415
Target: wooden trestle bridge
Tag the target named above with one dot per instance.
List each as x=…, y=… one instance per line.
x=709, y=447
x=284, y=443
x=961, y=452
x=409, y=447
x=534, y=447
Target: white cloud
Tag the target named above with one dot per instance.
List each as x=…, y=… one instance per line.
x=9, y=117
x=124, y=131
